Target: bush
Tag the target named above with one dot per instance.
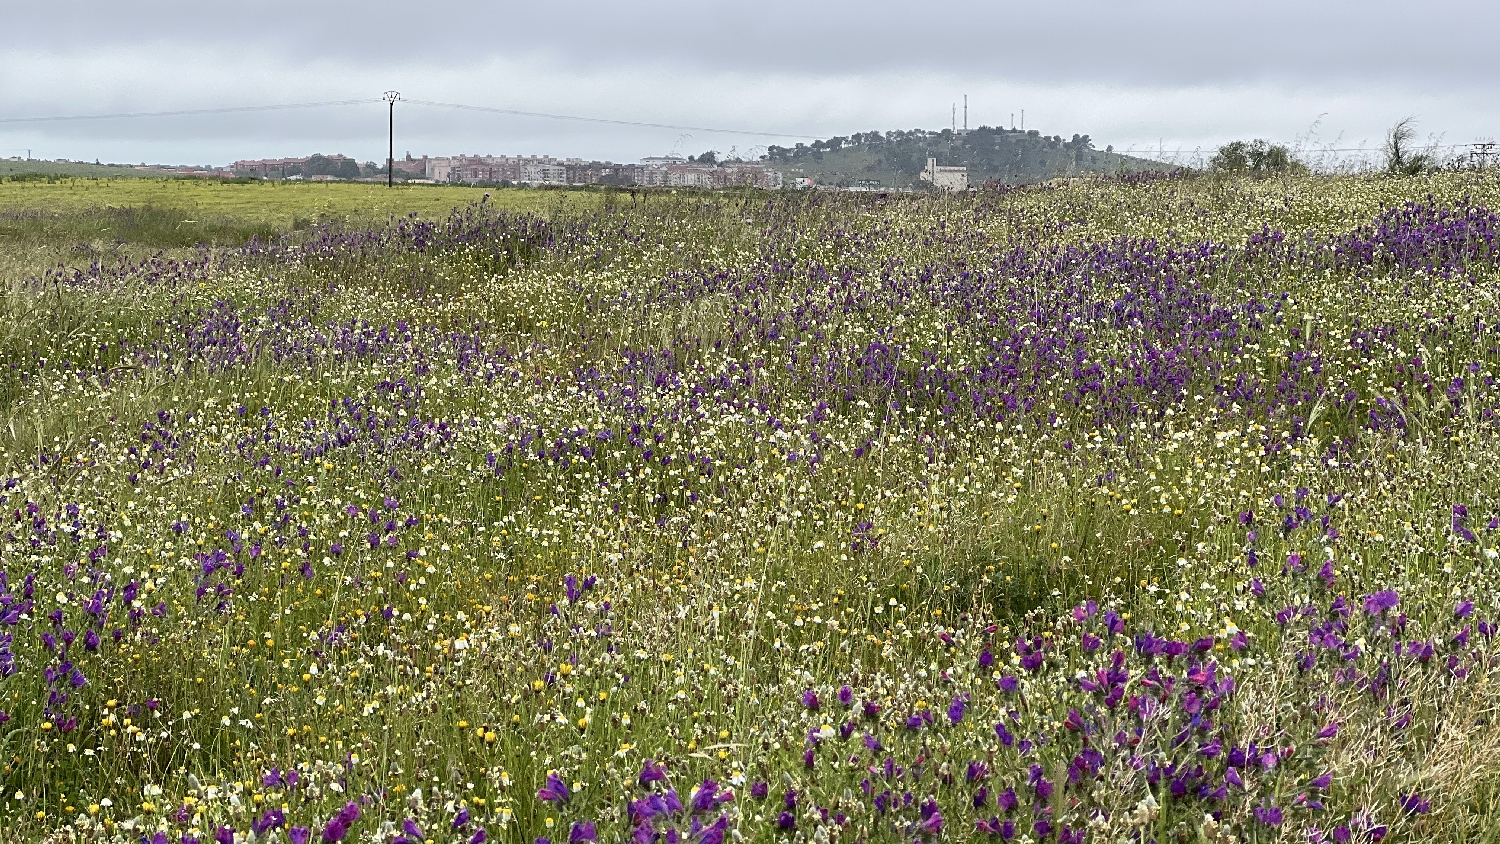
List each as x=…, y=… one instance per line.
x=1257, y=158
x=1400, y=158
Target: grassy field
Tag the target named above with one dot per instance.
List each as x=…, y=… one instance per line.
x=78, y=222
x=1143, y=509
x=72, y=170
x=262, y=206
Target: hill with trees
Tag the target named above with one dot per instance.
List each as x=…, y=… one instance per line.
x=895, y=159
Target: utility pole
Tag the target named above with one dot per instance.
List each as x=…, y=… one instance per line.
x=390, y=160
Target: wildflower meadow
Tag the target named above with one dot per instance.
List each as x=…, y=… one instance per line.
x=1134, y=509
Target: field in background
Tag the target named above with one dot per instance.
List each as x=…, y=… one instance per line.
x=1141, y=509
x=77, y=222
x=73, y=170
x=271, y=205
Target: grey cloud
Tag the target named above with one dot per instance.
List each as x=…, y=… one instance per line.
x=1169, y=74
x=1164, y=42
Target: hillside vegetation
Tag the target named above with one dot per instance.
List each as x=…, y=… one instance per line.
x=1008, y=156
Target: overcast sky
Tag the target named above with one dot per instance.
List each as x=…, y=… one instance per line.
x=1173, y=75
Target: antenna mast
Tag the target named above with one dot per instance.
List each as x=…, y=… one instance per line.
x=966, y=113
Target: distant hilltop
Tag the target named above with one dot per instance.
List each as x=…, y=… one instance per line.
x=921, y=159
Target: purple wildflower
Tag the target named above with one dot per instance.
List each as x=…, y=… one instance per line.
x=1381, y=601
x=651, y=771
x=555, y=791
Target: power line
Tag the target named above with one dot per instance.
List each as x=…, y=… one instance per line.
x=185, y=112
x=515, y=113
x=367, y=101
x=518, y=113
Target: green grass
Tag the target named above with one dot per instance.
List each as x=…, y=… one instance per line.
x=281, y=205
x=62, y=170
x=456, y=385
x=78, y=221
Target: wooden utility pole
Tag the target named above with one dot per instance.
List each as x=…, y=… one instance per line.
x=390, y=159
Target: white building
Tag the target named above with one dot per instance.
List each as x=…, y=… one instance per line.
x=946, y=178
x=525, y=170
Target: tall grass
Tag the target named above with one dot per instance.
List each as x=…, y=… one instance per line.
x=431, y=511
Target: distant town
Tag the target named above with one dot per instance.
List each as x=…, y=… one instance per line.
x=534, y=170
x=702, y=171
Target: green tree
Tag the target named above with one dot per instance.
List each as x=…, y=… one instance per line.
x=1256, y=158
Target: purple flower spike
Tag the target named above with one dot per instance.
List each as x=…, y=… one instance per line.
x=956, y=710
x=702, y=798
x=1268, y=815
x=1381, y=601
x=1416, y=804
x=555, y=791
x=846, y=696
x=582, y=832
x=810, y=699
x=651, y=771
x=272, y=819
